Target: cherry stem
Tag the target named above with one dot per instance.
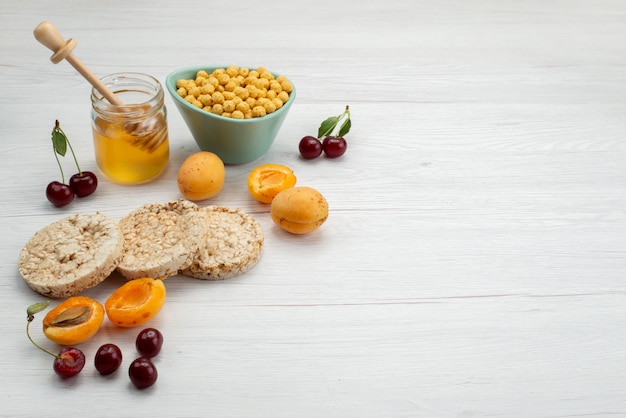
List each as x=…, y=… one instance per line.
x=334, y=125
x=59, y=164
x=30, y=319
x=58, y=128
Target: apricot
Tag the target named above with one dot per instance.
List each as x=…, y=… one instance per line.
x=135, y=302
x=201, y=176
x=74, y=320
x=267, y=180
x=299, y=210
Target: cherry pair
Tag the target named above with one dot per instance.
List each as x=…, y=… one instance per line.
x=81, y=184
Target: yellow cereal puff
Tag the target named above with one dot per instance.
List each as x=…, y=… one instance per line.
x=271, y=94
x=208, y=88
x=258, y=111
x=253, y=92
x=190, y=98
x=253, y=74
x=228, y=95
x=269, y=107
x=182, y=92
x=241, y=92
x=213, y=81
x=200, y=81
x=218, y=98
x=231, y=85
x=205, y=99
x=275, y=86
x=195, y=91
x=202, y=73
x=237, y=114
x=251, y=102
x=277, y=102
x=243, y=71
x=257, y=83
x=232, y=70
x=267, y=75
x=226, y=114
x=217, y=109
x=283, y=96
x=243, y=107
x=248, y=114
x=248, y=81
x=223, y=78
x=261, y=70
x=228, y=106
x=287, y=86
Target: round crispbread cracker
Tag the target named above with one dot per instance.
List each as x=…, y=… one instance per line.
x=161, y=239
x=233, y=245
x=71, y=255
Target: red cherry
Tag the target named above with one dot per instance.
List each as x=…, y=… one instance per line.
x=142, y=373
x=59, y=194
x=108, y=359
x=69, y=362
x=149, y=342
x=310, y=147
x=334, y=146
x=84, y=183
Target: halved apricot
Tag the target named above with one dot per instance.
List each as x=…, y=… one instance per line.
x=135, y=302
x=74, y=320
x=267, y=180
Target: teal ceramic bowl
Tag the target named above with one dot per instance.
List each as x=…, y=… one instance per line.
x=235, y=141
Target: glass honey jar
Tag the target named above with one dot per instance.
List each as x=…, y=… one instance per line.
x=130, y=140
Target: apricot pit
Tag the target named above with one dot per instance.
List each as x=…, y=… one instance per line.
x=74, y=320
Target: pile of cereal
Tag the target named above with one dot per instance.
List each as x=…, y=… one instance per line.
x=236, y=92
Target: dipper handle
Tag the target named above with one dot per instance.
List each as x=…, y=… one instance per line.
x=48, y=35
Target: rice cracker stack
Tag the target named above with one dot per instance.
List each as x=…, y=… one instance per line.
x=71, y=255
x=161, y=239
x=233, y=245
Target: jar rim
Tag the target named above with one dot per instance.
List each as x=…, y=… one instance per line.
x=124, y=82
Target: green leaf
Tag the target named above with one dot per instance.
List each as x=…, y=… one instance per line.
x=345, y=127
x=37, y=307
x=327, y=126
x=59, y=142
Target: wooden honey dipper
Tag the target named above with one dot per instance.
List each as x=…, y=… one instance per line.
x=48, y=35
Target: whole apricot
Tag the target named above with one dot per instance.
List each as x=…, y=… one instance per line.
x=74, y=320
x=267, y=180
x=135, y=302
x=299, y=210
x=201, y=176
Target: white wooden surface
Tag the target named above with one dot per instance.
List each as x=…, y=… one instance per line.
x=473, y=261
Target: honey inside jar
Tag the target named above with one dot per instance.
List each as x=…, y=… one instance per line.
x=124, y=158
x=131, y=141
